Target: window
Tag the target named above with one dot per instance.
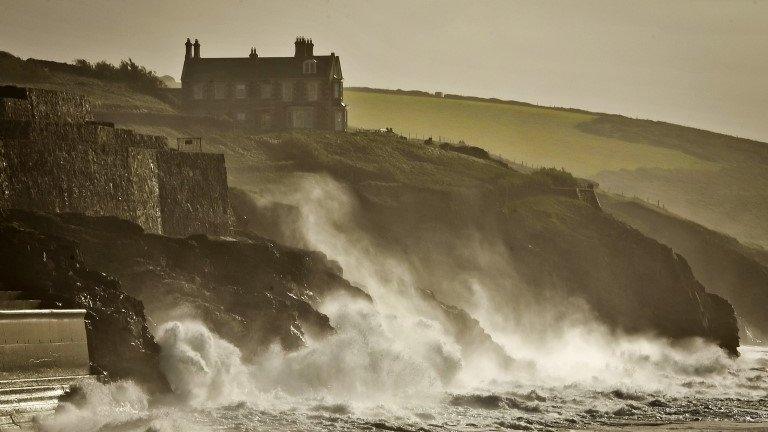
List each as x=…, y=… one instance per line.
x=266, y=91
x=219, y=91
x=266, y=121
x=240, y=116
x=312, y=91
x=287, y=91
x=309, y=67
x=337, y=90
x=198, y=91
x=302, y=118
x=240, y=91
x=339, y=124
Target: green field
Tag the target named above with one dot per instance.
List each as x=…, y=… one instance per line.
x=717, y=180
x=534, y=135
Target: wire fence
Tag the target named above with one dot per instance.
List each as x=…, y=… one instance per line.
x=412, y=136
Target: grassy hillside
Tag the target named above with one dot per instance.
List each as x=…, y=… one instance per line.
x=717, y=180
x=517, y=132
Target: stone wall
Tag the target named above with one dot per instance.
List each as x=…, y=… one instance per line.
x=76, y=176
x=193, y=193
x=144, y=175
x=54, y=158
x=18, y=103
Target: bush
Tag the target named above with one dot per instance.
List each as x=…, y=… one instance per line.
x=16, y=70
x=553, y=177
x=128, y=72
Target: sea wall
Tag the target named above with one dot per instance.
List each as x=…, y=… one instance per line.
x=54, y=158
x=43, y=342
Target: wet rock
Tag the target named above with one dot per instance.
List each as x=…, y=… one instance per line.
x=492, y=402
x=627, y=395
x=51, y=268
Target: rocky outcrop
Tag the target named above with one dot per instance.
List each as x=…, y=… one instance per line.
x=631, y=281
x=251, y=291
x=47, y=267
x=721, y=263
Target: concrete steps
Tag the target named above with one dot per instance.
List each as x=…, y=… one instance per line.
x=21, y=400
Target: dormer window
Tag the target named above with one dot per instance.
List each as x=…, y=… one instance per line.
x=309, y=66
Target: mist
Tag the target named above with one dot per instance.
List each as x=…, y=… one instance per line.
x=400, y=354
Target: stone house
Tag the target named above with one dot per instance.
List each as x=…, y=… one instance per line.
x=304, y=91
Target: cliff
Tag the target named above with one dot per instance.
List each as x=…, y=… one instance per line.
x=728, y=268
x=252, y=291
x=50, y=268
x=456, y=218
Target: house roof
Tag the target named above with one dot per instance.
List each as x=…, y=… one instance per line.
x=247, y=68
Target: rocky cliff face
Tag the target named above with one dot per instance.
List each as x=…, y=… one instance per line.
x=630, y=280
x=457, y=219
x=252, y=291
x=721, y=263
x=50, y=268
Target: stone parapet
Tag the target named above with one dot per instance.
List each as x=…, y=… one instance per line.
x=19, y=103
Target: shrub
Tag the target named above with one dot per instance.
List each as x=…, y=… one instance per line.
x=16, y=70
x=553, y=177
x=128, y=72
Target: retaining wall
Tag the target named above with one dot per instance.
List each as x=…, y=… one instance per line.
x=193, y=193
x=54, y=158
x=43, y=342
x=19, y=103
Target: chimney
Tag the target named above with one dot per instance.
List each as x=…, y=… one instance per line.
x=188, y=53
x=197, y=49
x=299, y=44
x=308, y=48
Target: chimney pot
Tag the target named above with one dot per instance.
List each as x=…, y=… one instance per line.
x=188, y=49
x=197, y=49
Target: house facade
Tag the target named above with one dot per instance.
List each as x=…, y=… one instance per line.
x=304, y=91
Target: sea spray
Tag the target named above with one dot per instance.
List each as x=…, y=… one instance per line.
x=387, y=357
x=372, y=358
x=368, y=360
x=558, y=333
x=97, y=406
x=328, y=222
x=202, y=368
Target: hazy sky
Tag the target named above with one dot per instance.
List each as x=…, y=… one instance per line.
x=699, y=63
